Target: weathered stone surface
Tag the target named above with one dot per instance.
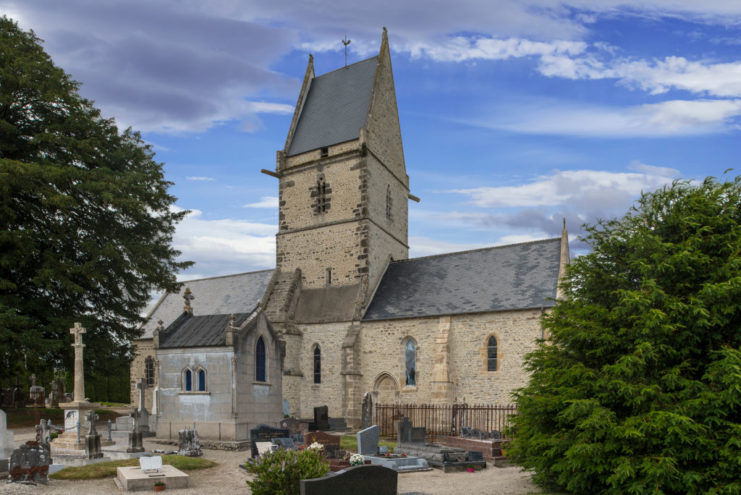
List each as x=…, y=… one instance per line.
x=357, y=480
x=30, y=462
x=189, y=444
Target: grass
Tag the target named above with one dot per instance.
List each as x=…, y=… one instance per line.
x=350, y=443
x=108, y=469
x=30, y=416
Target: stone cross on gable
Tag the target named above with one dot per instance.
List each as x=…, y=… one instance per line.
x=188, y=296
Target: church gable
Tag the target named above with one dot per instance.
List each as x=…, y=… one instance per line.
x=225, y=295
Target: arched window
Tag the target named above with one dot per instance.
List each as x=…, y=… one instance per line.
x=260, y=360
x=188, y=380
x=201, y=380
x=410, y=355
x=317, y=365
x=149, y=370
x=491, y=354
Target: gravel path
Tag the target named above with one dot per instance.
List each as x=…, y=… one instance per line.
x=228, y=478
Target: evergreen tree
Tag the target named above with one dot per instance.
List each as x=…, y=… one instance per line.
x=85, y=219
x=638, y=388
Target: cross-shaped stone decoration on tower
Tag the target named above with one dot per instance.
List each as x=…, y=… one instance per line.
x=188, y=296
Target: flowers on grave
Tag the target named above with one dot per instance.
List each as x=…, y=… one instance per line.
x=316, y=446
x=282, y=470
x=470, y=469
x=357, y=460
x=403, y=455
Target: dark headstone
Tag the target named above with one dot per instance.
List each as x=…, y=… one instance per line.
x=30, y=462
x=358, y=480
x=466, y=431
x=418, y=434
x=496, y=434
x=404, y=430
x=476, y=433
x=366, y=415
x=188, y=443
x=475, y=455
x=333, y=451
x=135, y=442
x=321, y=419
x=265, y=433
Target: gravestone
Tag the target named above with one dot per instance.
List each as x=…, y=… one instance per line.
x=151, y=464
x=475, y=455
x=321, y=419
x=366, y=415
x=322, y=438
x=409, y=434
x=265, y=433
x=135, y=436
x=6, y=442
x=189, y=443
x=36, y=393
x=30, y=462
x=368, y=440
x=92, y=440
x=141, y=386
x=358, y=480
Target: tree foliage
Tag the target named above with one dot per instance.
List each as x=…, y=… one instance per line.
x=86, y=220
x=638, y=389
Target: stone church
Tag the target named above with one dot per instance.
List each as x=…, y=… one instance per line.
x=345, y=312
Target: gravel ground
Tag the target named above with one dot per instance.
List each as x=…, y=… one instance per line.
x=227, y=477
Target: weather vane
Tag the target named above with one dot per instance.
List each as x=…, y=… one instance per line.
x=346, y=42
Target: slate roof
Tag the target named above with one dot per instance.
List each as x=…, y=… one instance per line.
x=199, y=331
x=225, y=295
x=517, y=276
x=335, y=108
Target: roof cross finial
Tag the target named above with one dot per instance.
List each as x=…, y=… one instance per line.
x=346, y=42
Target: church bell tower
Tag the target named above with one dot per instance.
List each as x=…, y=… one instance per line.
x=343, y=187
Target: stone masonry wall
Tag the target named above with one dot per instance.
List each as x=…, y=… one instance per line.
x=329, y=337
x=516, y=332
x=142, y=349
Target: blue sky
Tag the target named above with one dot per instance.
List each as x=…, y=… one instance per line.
x=514, y=113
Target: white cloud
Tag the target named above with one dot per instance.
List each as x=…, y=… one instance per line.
x=200, y=179
x=668, y=118
x=265, y=202
x=224, y=246
x=459, y=48
x=576, y=188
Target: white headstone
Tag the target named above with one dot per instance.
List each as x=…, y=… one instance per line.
x=70, y=419
x=151, y=464
x=6, y=437
x=264, y=447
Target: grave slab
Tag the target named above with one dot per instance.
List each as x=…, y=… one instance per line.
x=358, y=480
x=368, y=440
x=134, y=479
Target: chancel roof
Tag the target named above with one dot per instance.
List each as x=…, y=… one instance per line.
x=335, y=108
x=199, y=331
x=517, y=276
x=225, y=295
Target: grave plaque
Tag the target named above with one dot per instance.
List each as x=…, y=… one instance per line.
x=71, y=417
x=151, y=464
x=265, y=447
x=368, y=440
x=265, y=433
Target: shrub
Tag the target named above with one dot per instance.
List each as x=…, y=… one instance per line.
x=280, y=472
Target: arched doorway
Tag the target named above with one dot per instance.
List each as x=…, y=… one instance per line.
x=386, y=390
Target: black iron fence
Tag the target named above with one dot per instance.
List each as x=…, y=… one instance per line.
x=444, y=419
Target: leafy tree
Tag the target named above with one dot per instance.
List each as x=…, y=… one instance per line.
x=638, y=389
x=85, y=219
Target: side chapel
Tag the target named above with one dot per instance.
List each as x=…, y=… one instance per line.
x=345, y=312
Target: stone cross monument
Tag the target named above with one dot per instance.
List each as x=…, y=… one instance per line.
x=77, y=331
x=75, y=417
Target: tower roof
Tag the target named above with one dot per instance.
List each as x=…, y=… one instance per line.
x=336, y=107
